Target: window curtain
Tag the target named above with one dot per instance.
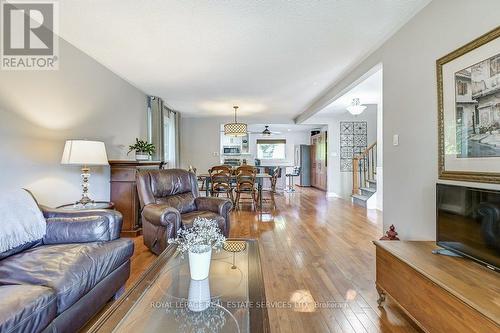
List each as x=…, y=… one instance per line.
x=155, y=126
x=163, y=131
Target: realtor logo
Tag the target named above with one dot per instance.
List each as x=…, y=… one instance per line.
x=29, y=35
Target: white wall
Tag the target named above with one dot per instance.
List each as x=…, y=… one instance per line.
x=410, y=105
x=200, y=143
x=340, y=183
x=39, y=110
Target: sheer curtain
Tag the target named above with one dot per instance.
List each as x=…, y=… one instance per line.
x=171, y=137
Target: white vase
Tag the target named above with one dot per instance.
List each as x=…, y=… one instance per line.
x=199, y=295
x=140, y=156
x=199, y=262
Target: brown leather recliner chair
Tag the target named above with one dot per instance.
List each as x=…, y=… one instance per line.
x=169, y=200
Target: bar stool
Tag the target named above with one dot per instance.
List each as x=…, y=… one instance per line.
x=295, y=173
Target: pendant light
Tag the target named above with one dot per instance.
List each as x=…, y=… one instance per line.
x=236, y=128
x=356, y=108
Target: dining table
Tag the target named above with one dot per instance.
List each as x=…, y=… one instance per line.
x=259, y=178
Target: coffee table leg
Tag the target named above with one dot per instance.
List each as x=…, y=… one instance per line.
x=234, y=259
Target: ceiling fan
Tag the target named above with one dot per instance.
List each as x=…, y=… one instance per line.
x=266, y=131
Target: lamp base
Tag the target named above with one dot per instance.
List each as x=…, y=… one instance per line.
x=85, y=200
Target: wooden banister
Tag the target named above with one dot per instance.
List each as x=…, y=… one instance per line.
x=364, y=168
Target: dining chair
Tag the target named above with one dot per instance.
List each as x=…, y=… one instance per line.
x=199, y=178
x=275, y=174
x=220, y=181
x=245, y=184
x=245, y=167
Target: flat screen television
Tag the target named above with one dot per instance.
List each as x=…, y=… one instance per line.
x=468, y=223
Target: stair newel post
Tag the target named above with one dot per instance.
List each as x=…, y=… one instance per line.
x=370, y=165
x=369, y=162
x=364, y=171
x=360, y=172
x=355, y=183
x=374, y=158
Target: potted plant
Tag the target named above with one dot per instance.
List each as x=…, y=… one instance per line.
x=198, y=241
x=143, y=150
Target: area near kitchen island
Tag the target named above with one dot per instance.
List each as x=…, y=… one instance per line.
x=280, y=149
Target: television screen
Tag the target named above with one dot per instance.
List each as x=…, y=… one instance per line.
x=468, y=223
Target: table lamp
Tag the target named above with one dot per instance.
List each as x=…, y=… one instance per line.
x=85, y=154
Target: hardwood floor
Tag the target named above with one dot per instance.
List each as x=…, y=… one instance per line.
x=314, y=250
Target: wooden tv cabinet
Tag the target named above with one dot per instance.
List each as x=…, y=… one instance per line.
x=440, y=293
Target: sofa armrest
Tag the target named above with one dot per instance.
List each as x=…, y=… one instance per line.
x=162, y=215
x=81, y=226
x=221, y=206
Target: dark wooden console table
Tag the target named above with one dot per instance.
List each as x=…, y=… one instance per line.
x=440, y=293
x=124, y=193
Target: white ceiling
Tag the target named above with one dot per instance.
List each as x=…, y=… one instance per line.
x=273, y=58
x=369, y=91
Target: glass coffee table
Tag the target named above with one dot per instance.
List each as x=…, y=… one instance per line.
x=165, y=299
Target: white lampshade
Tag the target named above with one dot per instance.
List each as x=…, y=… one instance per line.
x=83, y=152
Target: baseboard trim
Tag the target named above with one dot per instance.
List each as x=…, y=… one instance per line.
x=332, y=195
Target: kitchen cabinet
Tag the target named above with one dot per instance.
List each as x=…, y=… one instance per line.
x=239, y=142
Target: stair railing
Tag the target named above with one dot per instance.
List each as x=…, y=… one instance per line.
x=364, y=168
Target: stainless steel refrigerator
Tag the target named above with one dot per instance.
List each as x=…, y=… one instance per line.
x=303, y=159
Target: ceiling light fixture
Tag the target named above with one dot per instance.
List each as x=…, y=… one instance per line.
x=356, y=108
x=236, y=128
x=266, y=131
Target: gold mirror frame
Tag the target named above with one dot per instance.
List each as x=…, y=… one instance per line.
x=469, y=176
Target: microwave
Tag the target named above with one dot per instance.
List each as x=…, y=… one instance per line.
x=232, y=150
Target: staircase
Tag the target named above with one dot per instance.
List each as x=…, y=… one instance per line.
x=364, y=175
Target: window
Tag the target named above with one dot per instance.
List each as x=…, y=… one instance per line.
x=462, y=88
x=494, y=65
x=271, y=149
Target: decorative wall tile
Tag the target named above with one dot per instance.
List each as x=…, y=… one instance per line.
x=346, y=128
x=353, y=141
x=346, y=152
x=360, y=127
x=345, y=165
x=359, y=140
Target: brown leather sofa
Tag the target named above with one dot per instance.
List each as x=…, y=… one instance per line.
x=58, y=283
x=170, y=200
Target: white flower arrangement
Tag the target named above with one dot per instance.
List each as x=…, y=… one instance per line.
x=204, y=233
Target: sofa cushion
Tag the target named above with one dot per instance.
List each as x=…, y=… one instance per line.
x=70, y=269
x=188, y=218
x=25, y=308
